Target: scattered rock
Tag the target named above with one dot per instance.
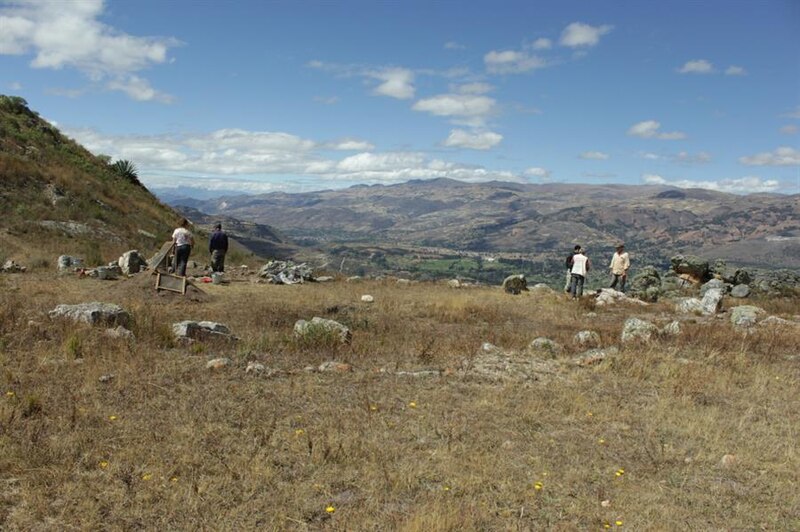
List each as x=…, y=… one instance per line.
x=105, y=273
x=366, y=298
x=255, y=367
x=285, y=272
x=324, y=279
x=637, y=330
x=712, y=301
x=11, y=266
x=454, y=283
x=107, y=378
x=691, y=265
x=545, y=346
x=740, y=291
x=646, y=284
x=218, y=363
x=586, y=339
x=354, y=279
x=515, y=284
x=93, y=313
x=67, y=263
x=777, y=282
x=120, y=332
x=334, y=366
x=594, y=356
x=404, y=282
x=745, y=316
x=728, y=461
x=775, y=321
x=202, y=331
x=689, y=305
x=609, y=296
x=497, y=365
x=132, y=262
x=541, y=289
x=321, y=328
x=673, y=328
x=715, y=283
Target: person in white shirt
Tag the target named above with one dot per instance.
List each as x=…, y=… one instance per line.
x=580, y=267
x=620, y=263
x=183, y=240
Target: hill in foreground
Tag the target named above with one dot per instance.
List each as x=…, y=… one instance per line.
x=416, y=424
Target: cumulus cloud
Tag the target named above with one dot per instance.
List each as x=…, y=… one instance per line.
x=649, y=129
x=236, y=157
x=578, y=34
x=512, y=62
x=475, y=140
x=538, y=172
x=696, y=66
x=466, y=109
x=595, y=155
x=790, y=129
x=742, y=185
x=75, y=38
x=734, y=70
x=542, y=44
x=395, y=83
x=783, y=156
x=352, y=145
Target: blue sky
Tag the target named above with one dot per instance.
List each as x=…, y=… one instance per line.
x=258, y=96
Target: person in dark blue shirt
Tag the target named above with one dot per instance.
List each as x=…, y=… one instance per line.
x=218, y=247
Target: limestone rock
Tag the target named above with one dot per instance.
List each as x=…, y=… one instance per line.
x=120, y=332
x=255, y=367
x=637, y=330
x=691, y=265
x=712, y=301
x=594, y=356
x=218, y=363
x=67, y=263
x=11, y=266
x=132, y=262
x=715, y=283
x=202, y=331
x=646, y=284
x=454, y=283
x=673, y=328
x=334, y=366
x=740, y=291
x=321, y=328
x=587, y=339
x=285, y=272
x=366, y=298
x=94, y=313
x=609, y=296
x=545, y=346
x=515, y=284
x=689, y=305
x=775, y=321
x=745, y=316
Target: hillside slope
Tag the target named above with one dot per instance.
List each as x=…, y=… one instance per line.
x=57, y=198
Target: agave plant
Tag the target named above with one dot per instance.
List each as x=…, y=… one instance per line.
x=127, y=170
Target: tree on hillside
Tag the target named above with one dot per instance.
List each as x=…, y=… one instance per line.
x=127, y=170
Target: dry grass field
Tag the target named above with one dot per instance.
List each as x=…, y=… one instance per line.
x=634, y=442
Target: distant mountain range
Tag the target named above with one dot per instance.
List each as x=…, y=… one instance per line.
x=537, y=221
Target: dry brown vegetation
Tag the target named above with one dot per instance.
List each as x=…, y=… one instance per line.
x=168, y=444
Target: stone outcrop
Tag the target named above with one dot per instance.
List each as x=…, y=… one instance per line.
x=285, y=272
x=691, y=265
x=132, y=262
x=321, y=328
x=94, y=313
x=638, y=330
x=646, y=284
x=202, y=331
x=745, y=316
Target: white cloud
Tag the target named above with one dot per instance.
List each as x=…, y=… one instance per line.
x=352, y=145
x=396, y=83
x=650, y=156
x=790, y=129
x=542, y=44
x=742, y=185
x=783, y=156
x=696, y=66
x=512, y=62
x=537, y=171
x=467, y=109
x=326, y=100
x=476, y=140
x=734, y=70
x=595, y=155
x=236, y=157
x=473, y=88
x=452, y=45
x=578, y=34
x=688, y=158
x=649, y=129
x=75, y=38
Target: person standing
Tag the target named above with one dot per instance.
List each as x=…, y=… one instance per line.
x=568, y=263
x=620, y=263
x=580, y=267
x=183, y=240
x=218, y=247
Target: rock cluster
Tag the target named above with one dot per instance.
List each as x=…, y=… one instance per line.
x=94, y=313
x=11, y=266
x=285, y=272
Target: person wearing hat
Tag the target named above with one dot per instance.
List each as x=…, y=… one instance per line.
x=620, y=263
x=218, y=247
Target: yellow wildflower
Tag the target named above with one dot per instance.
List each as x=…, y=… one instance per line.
x=10, y=393
x=173, y=479
x=601, y=441
x=373, y=407
x=112, y=418
x=330, y=509
x=299, y=432
x=618, y=522
x=620, y=472
x=147, y=476
x=412, y=404
x=103, y=464
x=538, y=486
